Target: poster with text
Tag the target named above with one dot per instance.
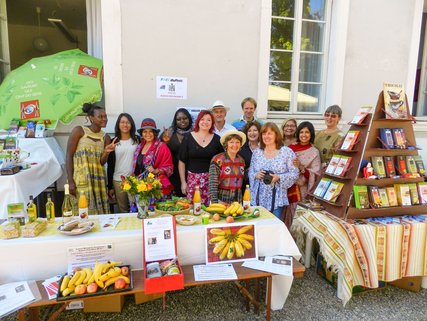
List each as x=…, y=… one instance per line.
x=171, y=87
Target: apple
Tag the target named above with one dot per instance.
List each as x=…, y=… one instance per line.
x=229, y=219
x=216, y=217
x=80, y=289
x=92, y=288
x=125, y=270
x=119, y=284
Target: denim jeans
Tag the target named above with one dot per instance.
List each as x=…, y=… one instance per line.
x=278, y=212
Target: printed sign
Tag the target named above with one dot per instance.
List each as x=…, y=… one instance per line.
x=171, y=87
x=30, y=109
x=88, y=71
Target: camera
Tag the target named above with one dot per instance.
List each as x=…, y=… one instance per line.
x=267, y=177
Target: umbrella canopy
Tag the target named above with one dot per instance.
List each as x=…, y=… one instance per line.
x=51, y=88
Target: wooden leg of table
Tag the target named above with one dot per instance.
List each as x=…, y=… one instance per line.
x=58, y=312
x=248, y=305
x=34, y=314
x=257, y=292
x=164, y=301
x=21, y=314
x=247, y=294
x=269, y=285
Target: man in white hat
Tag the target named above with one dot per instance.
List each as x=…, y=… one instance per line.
x=219, y=112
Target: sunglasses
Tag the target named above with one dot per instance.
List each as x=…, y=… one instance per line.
x=333, y=116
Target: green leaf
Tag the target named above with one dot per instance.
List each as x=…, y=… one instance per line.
x=55, y=99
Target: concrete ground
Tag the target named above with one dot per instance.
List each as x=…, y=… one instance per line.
x=311, y=298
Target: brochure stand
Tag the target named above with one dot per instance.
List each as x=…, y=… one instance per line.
x=159, y=245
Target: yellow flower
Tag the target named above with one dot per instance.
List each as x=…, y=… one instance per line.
x=142, y=187
x=150, y=175
x=126, y=187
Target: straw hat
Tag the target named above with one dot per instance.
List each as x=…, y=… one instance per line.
x=233, y=132
x=219, y=104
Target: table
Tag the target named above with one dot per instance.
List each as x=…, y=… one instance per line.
x=17, y=188
x=45, y=256
x=364, y=252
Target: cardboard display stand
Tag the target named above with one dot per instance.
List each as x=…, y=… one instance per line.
x=155, y=238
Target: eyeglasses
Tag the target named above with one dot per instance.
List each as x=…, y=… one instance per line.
x=289, y=126
x=333, y=116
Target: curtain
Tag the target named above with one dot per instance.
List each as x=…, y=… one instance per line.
x=94, y=28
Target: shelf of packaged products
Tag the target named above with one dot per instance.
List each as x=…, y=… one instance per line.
x=323, y=200
x=339, y=177
x=389, y=152
x=353, y=212
x=393, y=120
x=388, y=181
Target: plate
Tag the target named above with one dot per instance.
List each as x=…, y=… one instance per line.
x=77, y=230
x=235, y=217
x=186, y=219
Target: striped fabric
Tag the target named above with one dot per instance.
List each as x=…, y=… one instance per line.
x=369, y=250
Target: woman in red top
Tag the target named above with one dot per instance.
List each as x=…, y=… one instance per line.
x=309, y=164
x=153, y=156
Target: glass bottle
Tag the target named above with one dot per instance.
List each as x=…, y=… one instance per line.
x=67, y=205
x=247, y=200
x=50, y=209
x=31, y=210
x=83, y=206
x=197, y=202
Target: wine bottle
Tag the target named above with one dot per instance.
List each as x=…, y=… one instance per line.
x=67, y=205
x=31, y=210
x=50, y=209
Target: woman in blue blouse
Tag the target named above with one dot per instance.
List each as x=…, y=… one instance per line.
x=272, y=171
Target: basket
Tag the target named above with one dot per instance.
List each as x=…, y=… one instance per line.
x=183, y=211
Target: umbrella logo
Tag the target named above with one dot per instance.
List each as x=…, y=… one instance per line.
x=88, y=71
x=30, y=109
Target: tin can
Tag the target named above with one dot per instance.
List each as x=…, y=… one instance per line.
x=173, y=269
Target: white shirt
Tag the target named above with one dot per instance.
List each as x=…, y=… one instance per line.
x=124, y=158
x=224, y=129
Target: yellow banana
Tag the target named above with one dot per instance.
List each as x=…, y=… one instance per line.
x=244, y=229
x=240, y=251
x=227, y=231
x=100, y=283
x=231, y=251
x=64, y=283
x=81, y=278
x=89, y=274
x=225, y=251
x=91, y=279
x=232, y=209
x=216, y=239
x=247, y=237
x=105, y=267
x=114, y=263
x=116, y=271
x=217, y=231
x=218, y=205
x=98, y=270
x=246, y=244
x=215, y=209
x=239, y=210
x=104, y=277
x=68, y=290
x=112, y=280
x=74, y=278
x=219, y=246
x=227, y=210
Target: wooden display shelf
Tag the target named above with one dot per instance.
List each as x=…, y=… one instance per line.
x=394, y=120
x=351, y=151
x=386, y=211
x=389, y=152
x=346, y=178
x=387, y=181
x=325, y=201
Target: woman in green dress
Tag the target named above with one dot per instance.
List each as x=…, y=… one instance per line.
x=327, y=140
x=87, y=152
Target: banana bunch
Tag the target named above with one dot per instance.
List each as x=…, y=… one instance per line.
x=103, y=274
x=216, y=208
x=228, y=245
x=235, y=209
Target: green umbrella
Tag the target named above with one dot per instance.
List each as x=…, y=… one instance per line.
x=51, y=88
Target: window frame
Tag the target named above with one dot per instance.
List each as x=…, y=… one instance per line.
x=335, y=38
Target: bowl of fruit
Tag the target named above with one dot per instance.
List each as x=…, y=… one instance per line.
x=173, y=206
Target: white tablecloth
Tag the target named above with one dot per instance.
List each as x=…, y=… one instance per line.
x=45, y=256
x=49, y=158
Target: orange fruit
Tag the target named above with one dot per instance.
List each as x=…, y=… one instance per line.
x=229, y=219
x=216, y=217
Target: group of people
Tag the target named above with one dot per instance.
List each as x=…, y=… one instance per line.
x=220, y=158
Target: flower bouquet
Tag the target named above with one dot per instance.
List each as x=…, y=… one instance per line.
x=142, y=190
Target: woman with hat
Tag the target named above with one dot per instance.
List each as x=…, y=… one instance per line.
x=195, y=154
x=227, y=169
x=153, y=156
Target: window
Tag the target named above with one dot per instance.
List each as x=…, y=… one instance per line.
x=298, y=56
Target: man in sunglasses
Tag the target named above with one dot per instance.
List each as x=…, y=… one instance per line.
x=327, y=140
